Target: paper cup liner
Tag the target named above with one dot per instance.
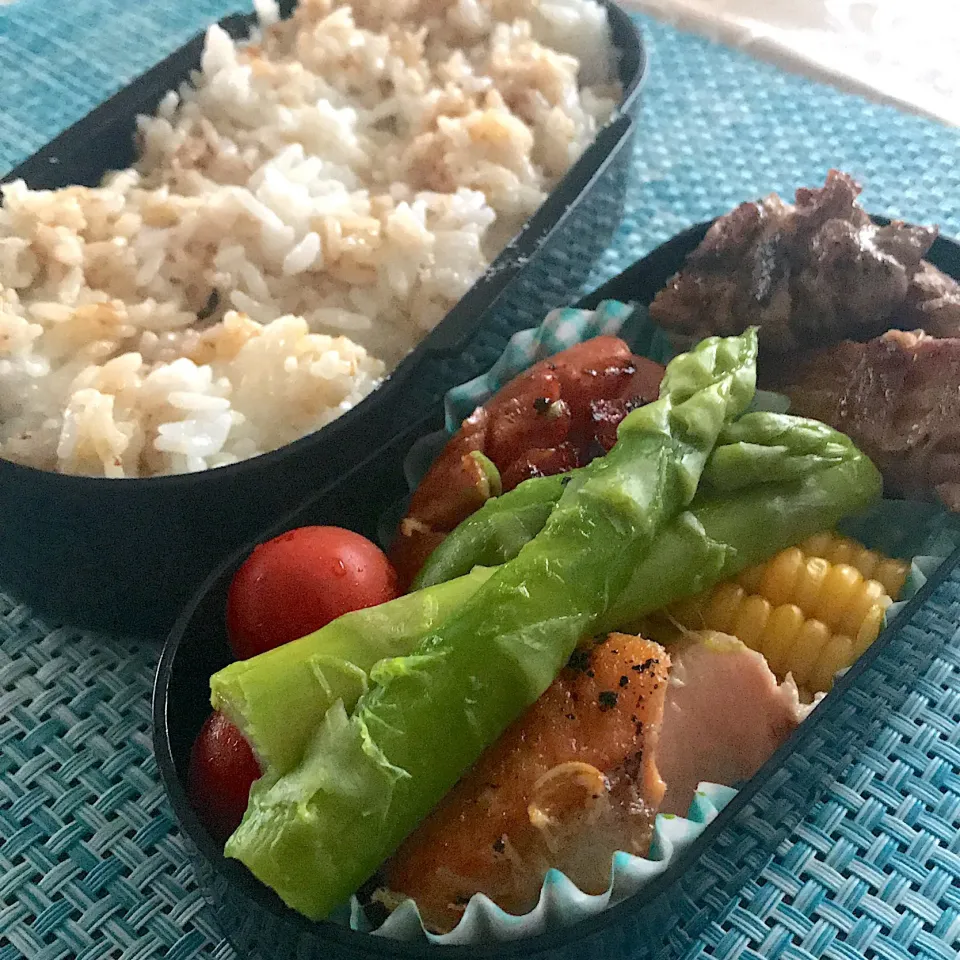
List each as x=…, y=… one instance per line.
x=925, y=533
x=561, y=901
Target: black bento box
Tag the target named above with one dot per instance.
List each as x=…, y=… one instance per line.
x=125, y=555
x=674, y=908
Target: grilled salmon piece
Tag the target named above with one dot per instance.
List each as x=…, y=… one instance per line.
x=570, y=783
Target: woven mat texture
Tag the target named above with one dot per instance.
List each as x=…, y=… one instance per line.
x=91, y=865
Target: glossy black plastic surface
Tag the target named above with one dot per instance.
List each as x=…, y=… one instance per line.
x=255, y=920
x=125, y=555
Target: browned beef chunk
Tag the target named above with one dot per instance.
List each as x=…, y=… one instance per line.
x=808, y=274
x=932, y=304
x=897, y=397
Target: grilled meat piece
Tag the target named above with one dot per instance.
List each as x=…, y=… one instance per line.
x=557, y=415
x=932, y=304
x=897, y=397
x=808, y=274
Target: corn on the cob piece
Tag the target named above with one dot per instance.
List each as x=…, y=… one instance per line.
x=834, y=592
x=791, y=642
x=890, y=572
x=810, y=616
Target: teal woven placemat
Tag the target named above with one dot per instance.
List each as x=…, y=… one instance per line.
x=90, y=865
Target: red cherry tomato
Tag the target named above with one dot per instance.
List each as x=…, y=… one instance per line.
x=299, y=582
x=222, y=770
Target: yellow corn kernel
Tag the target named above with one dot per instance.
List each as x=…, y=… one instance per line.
x=866, y=561
x=750, y=621
x=783, y=628
x=869, y=595
x=892, y=574
x=869, y=630
x=843, y=550
x=777, y=646
x=837, y=655
x=804, y=654
x=722, y=607
x=837, y=592
x=781, y=576
x=812, y=578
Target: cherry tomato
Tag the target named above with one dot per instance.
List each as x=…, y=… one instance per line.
x=222, y=770
x=299, y=582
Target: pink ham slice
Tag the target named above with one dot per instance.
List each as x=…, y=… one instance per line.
x=724, y=716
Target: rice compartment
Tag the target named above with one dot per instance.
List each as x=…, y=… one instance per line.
x=303, y=212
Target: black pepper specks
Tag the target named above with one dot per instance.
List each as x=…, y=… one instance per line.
x=499, y=845
x=579, y=660
x=607, y=699
x=624, y=681
x=541, y=405
x=571, y=716
x=646, y=665
x=210, y=307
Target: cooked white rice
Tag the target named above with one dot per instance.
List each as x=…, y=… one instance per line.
x=304, y=211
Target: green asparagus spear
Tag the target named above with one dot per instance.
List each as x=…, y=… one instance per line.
x=723, y=533
x=316, y=834
x=758, y=448
x=278, y=698
x=495, y=533
x=766, y=447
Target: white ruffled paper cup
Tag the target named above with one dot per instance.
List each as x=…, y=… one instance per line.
x=561, y=902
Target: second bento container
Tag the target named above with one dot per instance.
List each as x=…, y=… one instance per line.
x=125, y=555
x=673, y=910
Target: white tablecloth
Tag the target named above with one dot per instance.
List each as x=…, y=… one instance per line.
x=901, y=51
